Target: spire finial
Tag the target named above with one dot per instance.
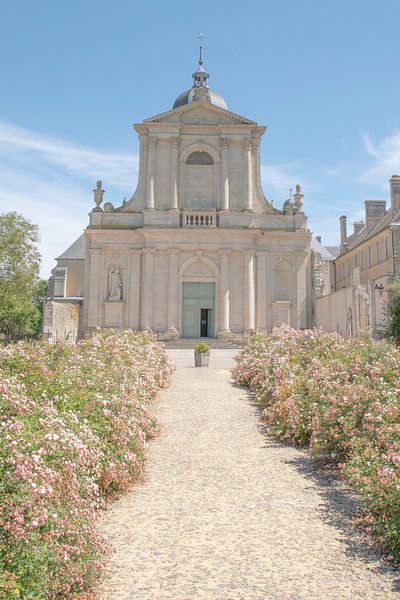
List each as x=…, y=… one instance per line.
x=201, y=38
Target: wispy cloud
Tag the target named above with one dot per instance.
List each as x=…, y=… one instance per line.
x=81, y=161
x=385, y=157
x=49, y=180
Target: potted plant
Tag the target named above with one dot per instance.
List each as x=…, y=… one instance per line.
x=201, y=354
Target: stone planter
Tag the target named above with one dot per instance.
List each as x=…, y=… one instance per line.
x=201, y=359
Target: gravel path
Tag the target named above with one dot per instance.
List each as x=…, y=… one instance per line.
x=227, y=514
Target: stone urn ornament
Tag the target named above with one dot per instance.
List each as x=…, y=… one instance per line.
x=201, y=354
x=98, y=193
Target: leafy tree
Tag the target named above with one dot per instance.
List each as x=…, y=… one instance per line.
x=20, y=285
x=393, y=312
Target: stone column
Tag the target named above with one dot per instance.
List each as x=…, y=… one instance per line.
x=249, y=291
x=151, y=157
x=261, y=291
x=146, y=310
x=174, y=205
x=249, y=172
x=172, y=331
x=134, y=287
x=224, y=291
x=225, y=173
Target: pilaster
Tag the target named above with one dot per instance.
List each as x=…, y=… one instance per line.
x=151, y=159
x=133, y=298
x=173, y=259
x=261, y=302
x=225, y=174
x=249, y=176
x=146, y=309
x=224, y=295
x=174, y=205
x=94, y=296
x=248, y=281
x=301, y=292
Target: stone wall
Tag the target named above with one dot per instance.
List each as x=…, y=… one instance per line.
x=332, y=312
x=61, y=321
x=320, y=275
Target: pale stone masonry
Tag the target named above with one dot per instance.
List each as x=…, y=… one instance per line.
x=368, y=261
x=198, y=250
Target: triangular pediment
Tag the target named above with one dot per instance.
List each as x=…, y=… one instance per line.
x=200, y=113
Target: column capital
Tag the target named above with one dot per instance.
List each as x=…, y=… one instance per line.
x=262, y=253
x=225, y=141
x=248, y=252
x=173, y=250
x=224, y=252
x=175, y=140
x=135, y=251
x=149, y=251
x=153, y=139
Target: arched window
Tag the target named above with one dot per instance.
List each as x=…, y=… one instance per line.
x=199, y=158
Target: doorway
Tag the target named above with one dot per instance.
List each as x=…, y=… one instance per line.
x=198, y=301
x=204, y=322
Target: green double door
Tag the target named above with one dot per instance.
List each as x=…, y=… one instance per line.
x=198, y=307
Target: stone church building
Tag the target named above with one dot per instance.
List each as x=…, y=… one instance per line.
x=198, y=250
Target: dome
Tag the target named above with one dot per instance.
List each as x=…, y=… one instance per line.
x=200, y=90
x=210, y=96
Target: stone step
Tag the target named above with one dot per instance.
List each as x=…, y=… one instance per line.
x=191, y=343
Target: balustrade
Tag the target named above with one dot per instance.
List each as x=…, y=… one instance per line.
x=202, y=218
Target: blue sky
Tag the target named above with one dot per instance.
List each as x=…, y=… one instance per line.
x=74, y=77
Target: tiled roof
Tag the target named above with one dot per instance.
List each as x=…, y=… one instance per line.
x=334, y=251
x=388, y=218
x=324, y=251
x=76, y=250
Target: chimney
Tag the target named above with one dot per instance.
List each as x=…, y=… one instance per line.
x=374, y=211
x=343, y=233
x=394, y=183
x=318, y=238
x=358, y=226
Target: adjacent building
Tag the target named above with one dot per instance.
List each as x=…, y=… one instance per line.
x=369, y=259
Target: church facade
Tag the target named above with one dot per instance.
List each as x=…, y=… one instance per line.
x=197, y=251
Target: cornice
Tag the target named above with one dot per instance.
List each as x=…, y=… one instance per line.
x=194, y=106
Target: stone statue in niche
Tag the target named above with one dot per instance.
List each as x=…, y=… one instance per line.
x=114, y=285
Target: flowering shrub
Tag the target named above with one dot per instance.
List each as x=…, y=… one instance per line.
x=74, y=421
x=341, y=399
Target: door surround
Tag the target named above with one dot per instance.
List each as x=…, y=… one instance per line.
x=198, y=269
x=198, y=300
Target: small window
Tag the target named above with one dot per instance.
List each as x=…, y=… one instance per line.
x=199, y=158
